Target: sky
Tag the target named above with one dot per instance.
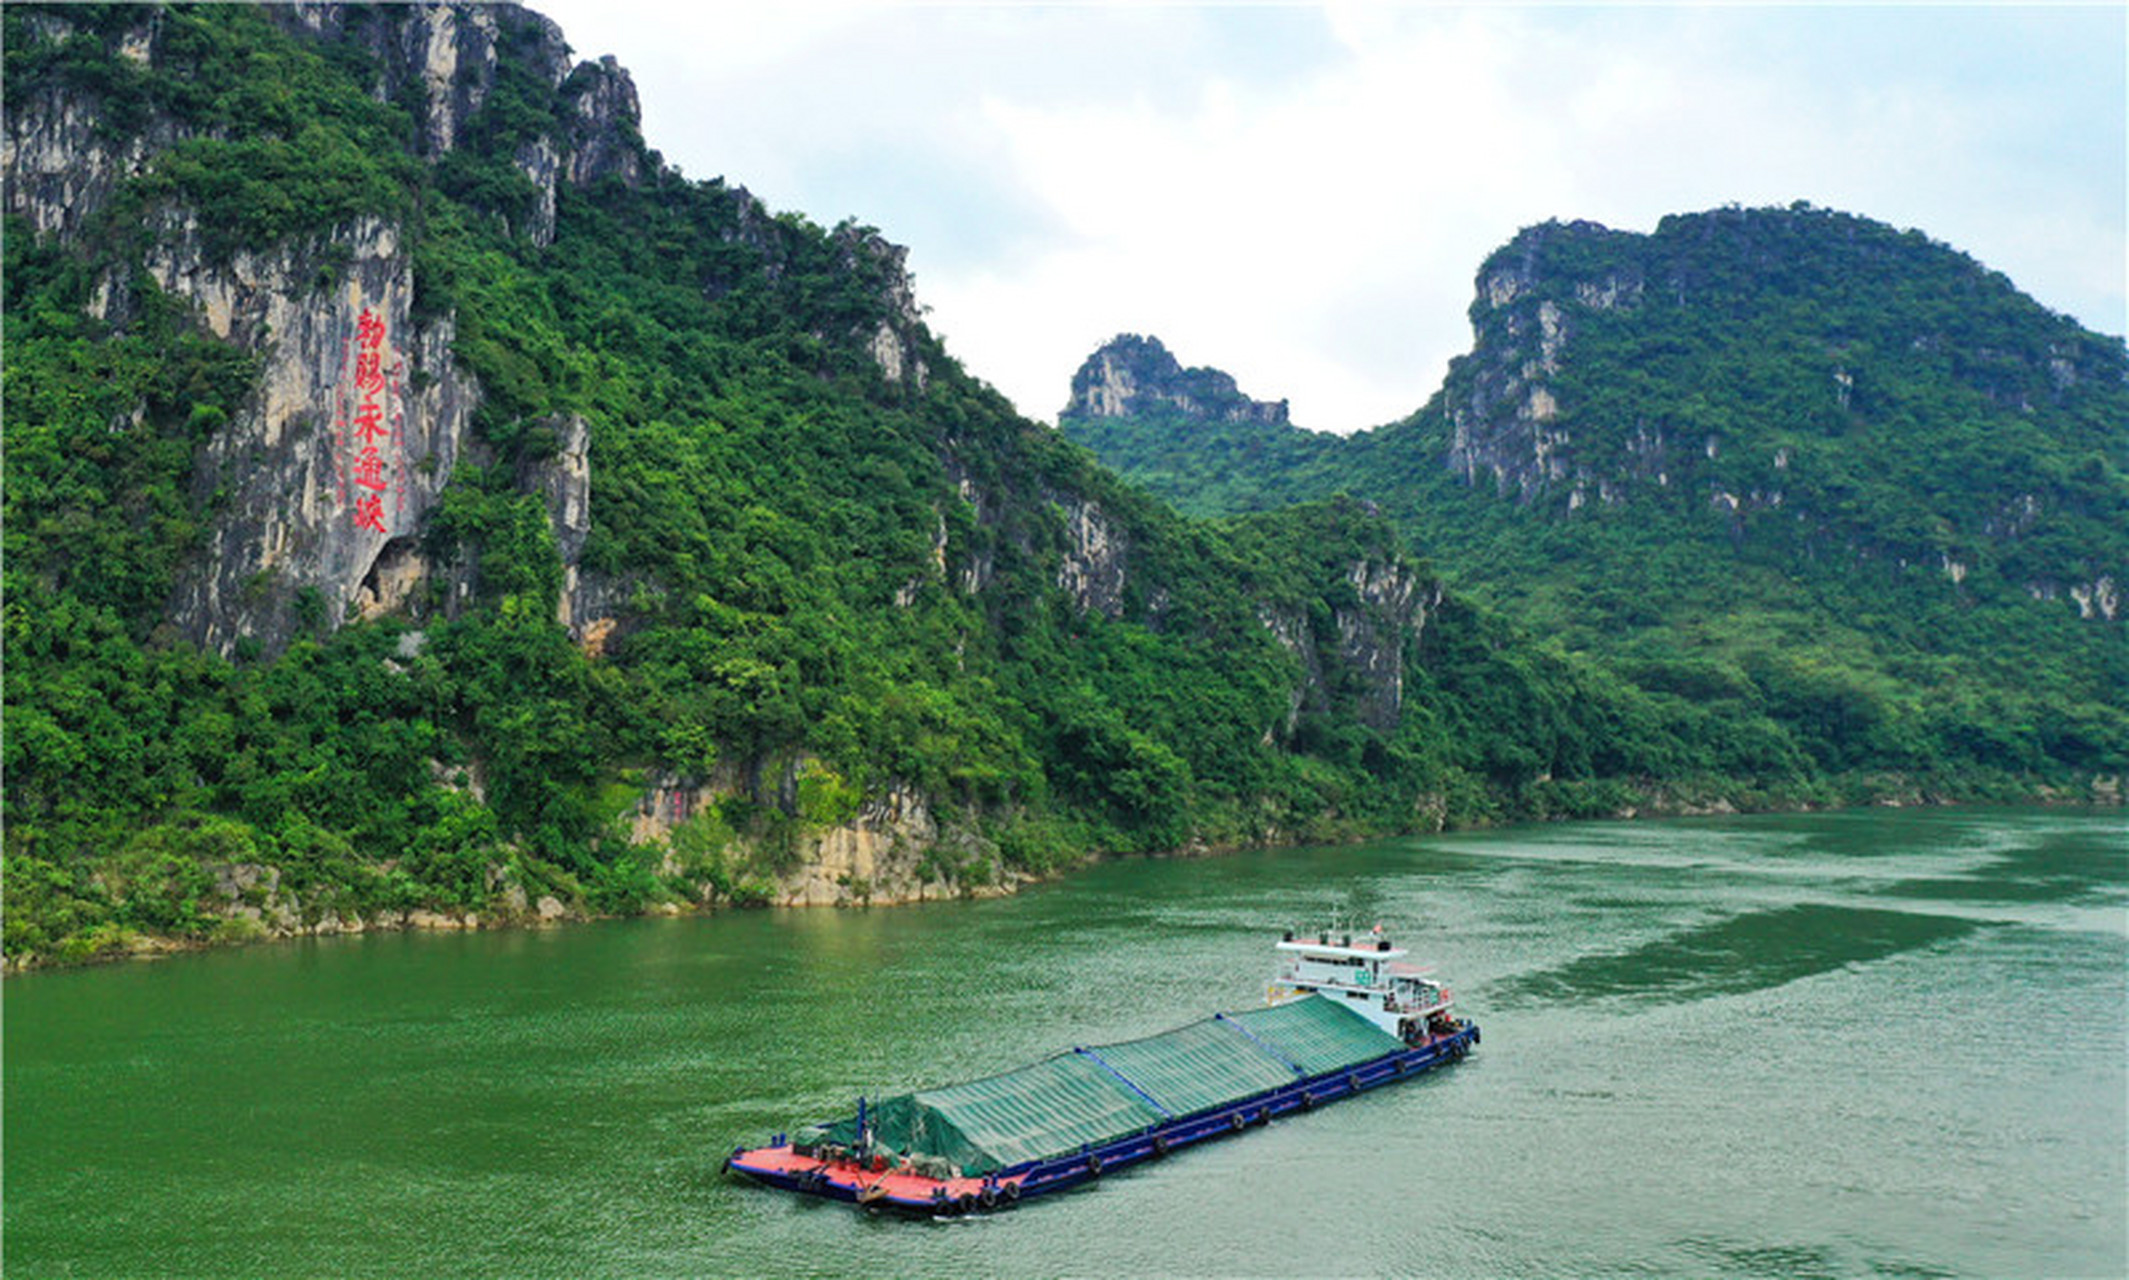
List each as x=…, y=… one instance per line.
x=1301, y=195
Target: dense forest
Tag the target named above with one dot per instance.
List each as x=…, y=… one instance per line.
x=422, y=502
x=704, y=549
x=1831, y=485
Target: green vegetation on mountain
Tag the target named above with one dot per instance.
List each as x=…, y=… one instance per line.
x=827, y=580
x=1836, y=485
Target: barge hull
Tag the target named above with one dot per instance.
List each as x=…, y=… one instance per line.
x=782, y=1166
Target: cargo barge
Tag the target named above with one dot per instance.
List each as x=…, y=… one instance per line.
x=1343, y=1016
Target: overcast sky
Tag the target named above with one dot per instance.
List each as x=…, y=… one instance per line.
x=1301, y=195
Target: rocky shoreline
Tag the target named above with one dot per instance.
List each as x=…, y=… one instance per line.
x=873, y=862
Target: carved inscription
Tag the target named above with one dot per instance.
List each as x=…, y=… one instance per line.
x=369, y=430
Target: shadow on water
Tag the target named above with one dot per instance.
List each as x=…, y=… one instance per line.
x=1747, y=953
x=1802, y=1262
x=2065, y=866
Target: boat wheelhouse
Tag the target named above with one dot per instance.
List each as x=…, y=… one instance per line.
x=1370, y=977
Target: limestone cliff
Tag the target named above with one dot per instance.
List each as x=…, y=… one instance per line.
x=59, y=166
x=891, y=849
x=1094, y=566
x=321, y=488
x=448, y=58
x=1356, y=665
x=1851, y=468
x=1507, y=425
x=888, y=848
x=1132, y=376
x=1743, y=362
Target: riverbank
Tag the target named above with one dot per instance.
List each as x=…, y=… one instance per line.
x=892, y=852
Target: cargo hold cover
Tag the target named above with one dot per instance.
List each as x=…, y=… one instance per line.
x=1088, y=1097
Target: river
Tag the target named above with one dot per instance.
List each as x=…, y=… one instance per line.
x=1886, y=1043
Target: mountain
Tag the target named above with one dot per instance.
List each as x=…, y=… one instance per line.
x=1789, y=461
x=425, y=505
x=1135, y=377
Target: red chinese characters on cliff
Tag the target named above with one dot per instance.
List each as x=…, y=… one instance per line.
x=369, y=428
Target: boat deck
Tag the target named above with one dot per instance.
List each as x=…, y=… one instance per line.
x=861, y=1184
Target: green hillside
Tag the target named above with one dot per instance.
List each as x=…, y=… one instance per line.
x=421, y=499
x=1836, y=477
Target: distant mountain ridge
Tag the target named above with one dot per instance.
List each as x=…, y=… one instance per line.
x=1131, y=376
x=1743, y=358
x=1606, y=364
x=1775, y=430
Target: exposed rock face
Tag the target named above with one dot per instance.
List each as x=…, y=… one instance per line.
x=317, y=496
x=1691, y=311
x=894, y=341
x=564, y=482
x=1311, y=693
x=60, y=164
x=288, y=471
x=890, y=852
x=326, y=479
x=1130, y=376
x=60, y=169
x=254, y=892
x=1506, y=426
x=1093, y=568
x=893, y=849
x=448, y=52
x=589, y=603
x=320, y=489
x=605, y=134
x=1371, y=637
x=1355, y=666
x=2101, y=599
x=451, y=56
x=968, y=568
x=1092, y=552
x=1358, y=666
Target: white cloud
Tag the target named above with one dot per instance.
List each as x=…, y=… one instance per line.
x=1301, y=197
x=1268, y=231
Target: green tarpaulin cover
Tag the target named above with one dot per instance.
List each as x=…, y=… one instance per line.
x=1198, y=1067
x=1087, y=1097
x=1317, y=1034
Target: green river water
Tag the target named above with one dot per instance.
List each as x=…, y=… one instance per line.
x=1883, y=1043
